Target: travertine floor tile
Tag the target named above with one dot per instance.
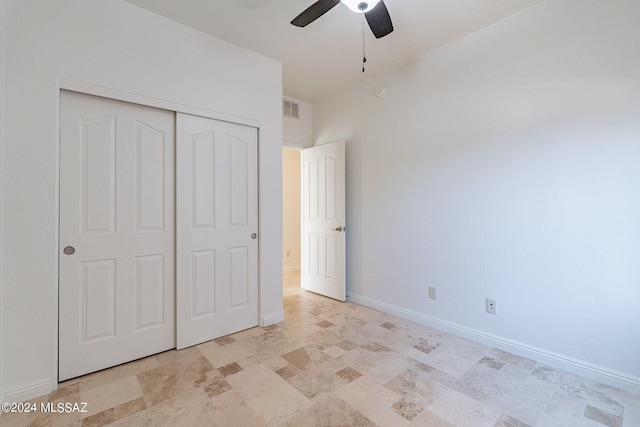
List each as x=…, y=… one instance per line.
x=129, y=408
x=100, y=419
x=277, y=341
x=334, y=351
x=455, y=358
x=632, y=411
x=237, y=415
x=517, y=362
x=566, y=412
x=407, y=408
x=176, y=378
x=222, y=356
x=329, y=412
x=367, y=396
x=110, y=395
x=300, y=326
x=508, y=421
x=379, y=366
x=416, y=387
x=317, y=382
x=463, y=411
x=305, y=357
x=271, y=397
x=390, y=418
x=110, y=375
x=190, y=409
x=429, y=419
x=337, y=364
x=140, y=419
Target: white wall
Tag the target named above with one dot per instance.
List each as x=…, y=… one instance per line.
x=291, y=204
x=297, y=132
x=114, y=45
x=506, y=165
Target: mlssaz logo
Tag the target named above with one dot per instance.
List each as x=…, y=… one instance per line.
x=63, y=407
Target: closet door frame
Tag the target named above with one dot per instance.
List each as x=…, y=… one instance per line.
x=88, y=89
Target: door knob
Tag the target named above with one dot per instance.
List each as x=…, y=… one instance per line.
x=254, y=236
x=69, y=250
x=339, y=229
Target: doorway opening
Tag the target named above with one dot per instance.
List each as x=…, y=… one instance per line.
x=291, y=217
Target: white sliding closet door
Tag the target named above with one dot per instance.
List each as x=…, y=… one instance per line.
x=117, y=233
x=217, y=226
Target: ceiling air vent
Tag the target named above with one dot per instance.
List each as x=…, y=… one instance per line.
x=290, y=109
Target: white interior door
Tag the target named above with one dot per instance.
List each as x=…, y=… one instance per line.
x=323, y=220
x=117, y=288
x=217, y=226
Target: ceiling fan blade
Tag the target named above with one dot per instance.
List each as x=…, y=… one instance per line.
x=314, y=12
x=379, y=20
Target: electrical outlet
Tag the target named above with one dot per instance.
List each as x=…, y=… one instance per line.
x=491, y=306
x=433, y=293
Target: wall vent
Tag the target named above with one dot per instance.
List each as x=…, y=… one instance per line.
x=290, y=109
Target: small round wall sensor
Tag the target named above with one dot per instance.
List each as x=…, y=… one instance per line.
x=381, y=92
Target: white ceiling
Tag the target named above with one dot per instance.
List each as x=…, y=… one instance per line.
x=325, y=57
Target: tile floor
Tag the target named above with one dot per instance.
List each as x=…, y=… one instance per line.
x=337, y=364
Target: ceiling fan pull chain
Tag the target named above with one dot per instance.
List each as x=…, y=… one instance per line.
x=364, y=56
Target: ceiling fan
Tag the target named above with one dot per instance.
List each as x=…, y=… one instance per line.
x=374, y=11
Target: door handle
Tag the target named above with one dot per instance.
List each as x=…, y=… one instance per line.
x=69, y=250
x=339, y=229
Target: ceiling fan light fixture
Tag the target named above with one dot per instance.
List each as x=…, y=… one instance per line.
x=360, y=6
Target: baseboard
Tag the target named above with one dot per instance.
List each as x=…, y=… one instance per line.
x=28, y=391
x=579, y=367
x=272, y=319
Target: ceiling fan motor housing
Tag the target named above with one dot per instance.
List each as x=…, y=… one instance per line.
x=360, y=6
